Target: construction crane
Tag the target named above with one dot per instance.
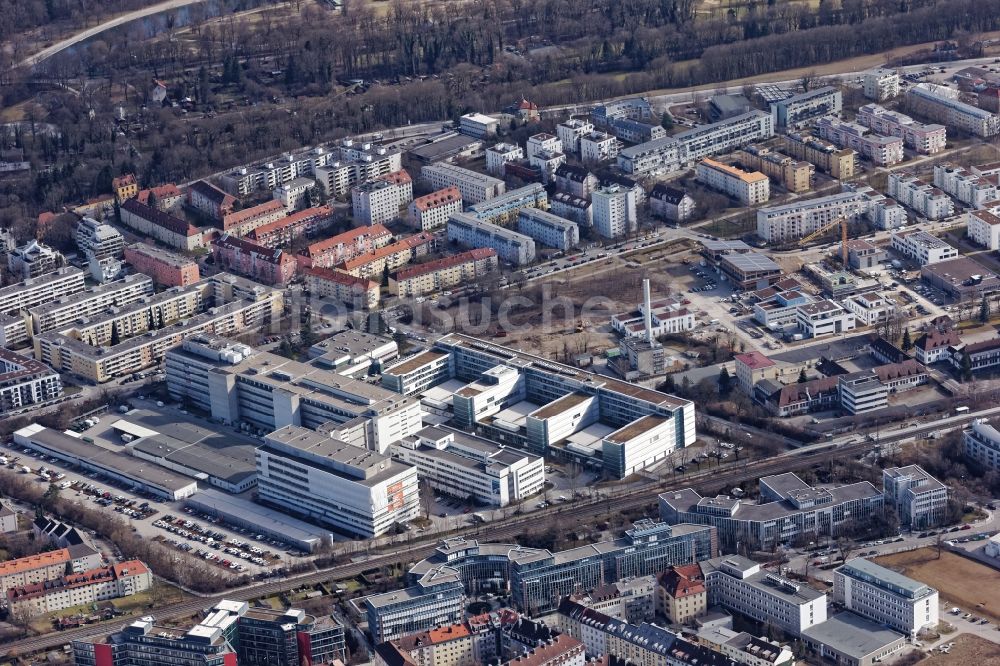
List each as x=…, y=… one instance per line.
x=842, y=221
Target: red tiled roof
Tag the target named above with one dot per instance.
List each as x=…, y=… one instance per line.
x=160, y=192
x=212, y=193
x=448, y=195
x=907, y=368
x=754, y=360
x=293, y=219
x=159, y=218
x=793, y=393
x=406, y=244
x=340, y=277
x=376, y=231
x=243, y=245
x=400, y=177
x=240, y=216
x=935, y=339
x=476, y=254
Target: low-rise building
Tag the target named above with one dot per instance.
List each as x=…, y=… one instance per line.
x=870, y=307
x=571, y=131
x=47, y=566
x=572, y=208
x=461, y=269
x=922, y=247
x=242, y=222
x=747, y=188
x=498, y=156
x=358, y=292
x=263, y=264
x=983, y=228
x=920, y=500
x=666, y=316
x=862, y=255
x=387, y=259
x=962, y=278
x=824, y=317
x=209, y=200
x=744, y=648
x=161, y=226
x=847, y=638
x=503, y=209
x=165, y=197
x=284, y=231
x=380, y=201
x=670, y=203
x=887, y=597
x=862, y=392
x=477, y=125
x=165, y=267
x=79, y=589
x=125, y=186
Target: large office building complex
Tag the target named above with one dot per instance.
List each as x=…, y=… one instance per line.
x=920, y=500
x=885, y=596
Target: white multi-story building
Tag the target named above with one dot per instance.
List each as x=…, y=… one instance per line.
x=34, y=259
x=942, y=104
x=927, y=200
x=356, y=163
x=94, y=302
x=798, y=219
x=543, y=143
x=474, y=186
x=99, y=240
x=547, y=161
x=881, y=150
x=798, y=110
x=982, y=444
x=614, y=211
x=292, y=193
x=885, y=596
x=881, y=84
x=983, y=228
x=347, y=487
x=922, y=247
x=861, y=392
x=458, y=269
x=969, y=187
x=657, y=156
x=548, y=229
x=432, y=211
x=825, y=317
x=464, y=466
x=740, y=585
x=478, y=125
x=510, y=246
x=869, y=308
x=749, y=188
x=920, y=500
x=926, y=139
x=571, y=131
x=25, y=381
x=598, y=147
x=380, y=201
x=499, y=155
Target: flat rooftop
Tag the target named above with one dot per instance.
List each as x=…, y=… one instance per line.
x=852, y=635
x=274, y=522
x=560, y=405
x=368, y=467
x=637, y=428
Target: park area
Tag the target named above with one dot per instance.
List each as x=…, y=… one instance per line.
x=960, y=581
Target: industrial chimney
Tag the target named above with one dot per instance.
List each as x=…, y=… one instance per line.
x=648, y=309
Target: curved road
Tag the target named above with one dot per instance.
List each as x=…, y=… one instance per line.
x=50, y=51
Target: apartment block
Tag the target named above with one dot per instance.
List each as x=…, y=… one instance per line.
x=748, y=188
x=670, y=203
x=927, y=200
x=634, y=131
x=920, y=500
x=983, y=228
x=434, y=276
x=209, y=200
x=242, y=222
x=165, y=267
x=125, y=186
x=329, y=283
x=244, y=257
x=922, y=247
x=34, y=259
x=510, y=246
x=788, y=509
x=30, y=293
x=99, y=240
x=572, y=208
x=793, y=175
x=381, y=201
x=869, y=307
x=432, y=211
x=24, y=382
x=924, y=139
x=474, y=186
x=503, y=209
x=653, y=157
x=166, y=197
x=284, y=231
x=681, y=593
x=161, y=226
x=93, y=302
x=881, y=84
x=548, y=229
x=776, y=224
x=389, y=258
x=838, y=162
x=614, y=211
x=881, y=150
x=571, y=131
x=885, y=596
x=942, y=104
x=75, y=589
x=344, y=247
x=822, y=318
x=797, y=111
x=477, y=125
x=598, y=147
x=970, y=187
x=47, y=566
x=498, y=156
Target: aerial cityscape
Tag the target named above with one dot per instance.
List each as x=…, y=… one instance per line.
x=410, y=333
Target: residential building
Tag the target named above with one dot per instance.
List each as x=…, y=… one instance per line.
x=25, y=381
x=634, y=131
x=824, y=317
x=284, y=231
x=614, y=211
x=99, y=240
x=208, y=200
x=681, y=593
x=742, y=586
x=653, y=157
x=498, y=156
x=475, y=187
x=870, y=307
x=778, y=309
x=920, y=500
x=789, y=509
x=598, y=147
x=294, y=194
x=838, y=162
x=477, y=125
x=352, y=489
x=359, y=292
x=570, y=132
x=922, y=247
x=743, y=648
x=747, y=188
x=387, y=259
x=972, y=188
x=752, y=367
x=791, y=221
x=461, y=269
x=983, y=228
x=345, y=246
x=144, y=642
x=464, y=466
x=721, y=107
x=242, y=222
x=380, y=201
x=982, y=444
x=47, y=566
x=634, y=108
x=670, y=203
x=887, y=597
x=548, y=229
x=572, y=208
x=793, y=175
x=165, y=267
x=34, y=259
x=847, y=638
x=161, y=226
x=352, y=162
x=797, y=111
x=881, y=84
x=165, y=197
x=91, y=303
x=510, y=246
x=465, y=643
x=432, y=211
x=78, y=589
x=263, y=264
x=927, y=200
x=924, y=139
x=542, y=143
x=503, y=209
x=942, y=104
x=8, y=519
x=862, y=255
x=881, y=150
x=575, y=180
x=30, y=293
x=125, y=186
x=933, y=345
